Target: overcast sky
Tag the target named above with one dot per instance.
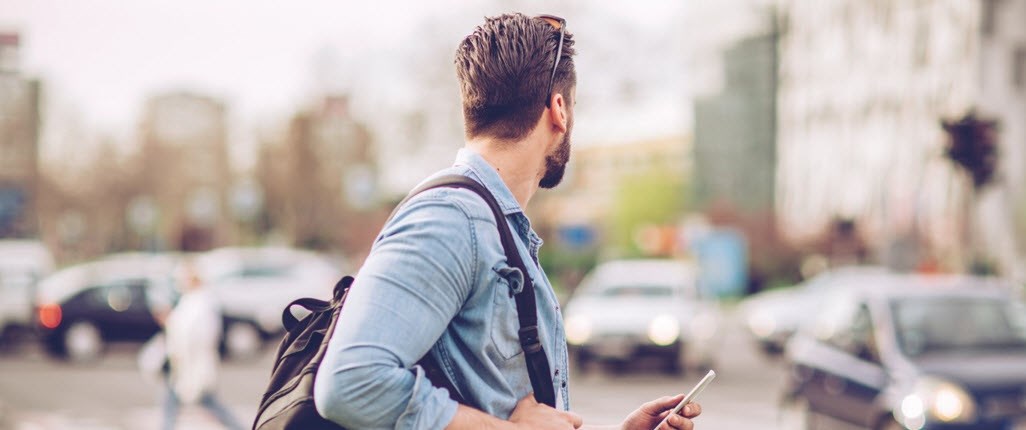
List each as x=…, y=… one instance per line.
x=100, y=59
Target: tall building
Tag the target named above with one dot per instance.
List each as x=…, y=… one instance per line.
x=185, y=167
x=735, y=131
x=19, y=144
x=321, y=179
x=863, y=87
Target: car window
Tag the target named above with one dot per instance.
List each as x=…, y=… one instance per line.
x=863, y=337
x=932, y=324
x=117, y=295
x=264, y=271
x=847, y=324
x=647, y=291
x=833, y=323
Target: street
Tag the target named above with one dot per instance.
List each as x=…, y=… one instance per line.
x=39, y=393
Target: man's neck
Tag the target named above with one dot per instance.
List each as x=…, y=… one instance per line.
x=519, y=164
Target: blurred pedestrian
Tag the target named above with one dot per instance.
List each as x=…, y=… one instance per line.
x=437, y=280
x=193, y=336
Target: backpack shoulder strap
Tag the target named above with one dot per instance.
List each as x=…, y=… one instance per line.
x=534, y=354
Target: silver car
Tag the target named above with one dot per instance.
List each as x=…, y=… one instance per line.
x=773, y=316
x=255, y=284
x=628, y=310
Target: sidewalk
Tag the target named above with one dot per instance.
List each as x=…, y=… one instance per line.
x=149, y=418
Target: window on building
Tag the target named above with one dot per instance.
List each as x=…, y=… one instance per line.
x=922, y=44
x=1019, y=68
x=988, y=15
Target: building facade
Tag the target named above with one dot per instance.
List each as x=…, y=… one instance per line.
x=863, y=88
x=321, y=180
x=19, y=144
x=186, y=172
x=735, y=131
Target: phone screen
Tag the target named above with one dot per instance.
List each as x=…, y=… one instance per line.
x=691, y=395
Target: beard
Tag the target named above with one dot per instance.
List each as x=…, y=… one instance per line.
x=555, y=163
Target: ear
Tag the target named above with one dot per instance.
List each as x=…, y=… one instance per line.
x=557, y=112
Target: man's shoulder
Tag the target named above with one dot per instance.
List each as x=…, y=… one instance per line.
x=466, y=201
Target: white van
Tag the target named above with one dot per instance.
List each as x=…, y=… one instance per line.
x=22, y=264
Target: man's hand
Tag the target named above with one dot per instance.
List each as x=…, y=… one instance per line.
x=652, y=413
x=529, y=414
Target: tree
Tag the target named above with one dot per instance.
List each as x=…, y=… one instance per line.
x=655, y=198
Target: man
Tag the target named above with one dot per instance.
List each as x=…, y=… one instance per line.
x=193, y=333
x=437, y=280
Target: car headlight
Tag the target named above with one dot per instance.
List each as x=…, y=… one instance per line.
x=936, y=400
x=578, y=329
x=663, y=330
x=762, y=324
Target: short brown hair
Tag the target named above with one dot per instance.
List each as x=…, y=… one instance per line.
x=504, y=68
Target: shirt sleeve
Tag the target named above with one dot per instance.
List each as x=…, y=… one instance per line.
x=416, y=278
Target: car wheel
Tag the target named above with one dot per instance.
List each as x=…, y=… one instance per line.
x=673, y=364
x=83, y=342
x=794, y=414
x=242, y=340
x=582, y=360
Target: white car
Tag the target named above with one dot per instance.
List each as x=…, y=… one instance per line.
x=254, y=285
x=629, y=309
x=773, y=316
x=22, y=264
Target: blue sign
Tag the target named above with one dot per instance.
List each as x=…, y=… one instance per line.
x=577, y=236
x=722, y=256
x=12, y=205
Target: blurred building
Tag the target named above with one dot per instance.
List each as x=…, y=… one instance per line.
x=321, y=180
x=863, y=86
x=185, y=171
x=735, y=131
x=19, y=144
x=596, y=177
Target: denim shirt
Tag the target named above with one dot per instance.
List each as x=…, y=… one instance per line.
x=437, y=281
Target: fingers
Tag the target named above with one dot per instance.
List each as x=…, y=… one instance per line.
x=575, y=419
x=661, y=404
x=692, y=410
x=677, y=422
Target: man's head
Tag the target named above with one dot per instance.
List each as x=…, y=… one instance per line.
x=505, y=68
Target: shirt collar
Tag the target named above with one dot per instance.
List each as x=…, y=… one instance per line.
x=489, y=177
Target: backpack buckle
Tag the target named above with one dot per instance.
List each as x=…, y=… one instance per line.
x=529, y=339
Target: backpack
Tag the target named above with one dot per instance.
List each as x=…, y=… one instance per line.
x=288, y=402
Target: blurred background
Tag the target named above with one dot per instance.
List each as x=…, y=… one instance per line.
x=746, y=155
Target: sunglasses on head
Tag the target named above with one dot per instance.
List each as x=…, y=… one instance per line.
x=559, y=24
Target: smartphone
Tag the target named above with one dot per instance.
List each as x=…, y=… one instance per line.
x=690, y=396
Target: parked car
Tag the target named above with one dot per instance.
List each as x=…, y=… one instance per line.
x=630, y=309
x=915, y=352
x=22, y=264
x=772, y=316
x=82, y=308
x=255, y=284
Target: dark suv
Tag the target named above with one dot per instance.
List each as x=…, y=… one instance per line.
x=912, y=352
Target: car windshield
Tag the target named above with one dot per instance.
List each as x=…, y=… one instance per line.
x=647, y=291
x=944, y=324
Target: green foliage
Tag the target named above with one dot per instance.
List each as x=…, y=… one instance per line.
x=657, y=197
x=566, y=267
